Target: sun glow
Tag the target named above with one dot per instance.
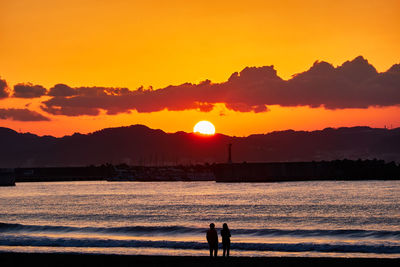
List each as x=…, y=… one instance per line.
x=204, y=127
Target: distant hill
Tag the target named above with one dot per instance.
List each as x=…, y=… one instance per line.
x=140, y=145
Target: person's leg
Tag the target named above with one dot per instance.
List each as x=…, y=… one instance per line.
x=228, y=247
x=211, y=251
x=216, y=251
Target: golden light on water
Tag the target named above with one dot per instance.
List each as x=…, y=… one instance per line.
x=204, y=127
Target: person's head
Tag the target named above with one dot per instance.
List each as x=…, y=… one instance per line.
x=225, y=226
x=212, y=226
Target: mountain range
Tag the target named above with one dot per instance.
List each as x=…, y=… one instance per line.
x=140, y=145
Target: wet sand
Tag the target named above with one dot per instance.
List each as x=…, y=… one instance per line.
x=74, y=260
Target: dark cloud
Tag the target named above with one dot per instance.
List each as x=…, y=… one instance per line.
x=3, y=88
x=21, y=115
x=28, y=90
x=354, y=84
x=62, y=90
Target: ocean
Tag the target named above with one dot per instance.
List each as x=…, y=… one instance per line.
x=307, y=219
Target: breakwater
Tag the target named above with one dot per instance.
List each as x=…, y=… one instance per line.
x=220, y=172
x=306, y=171
x=7, y=177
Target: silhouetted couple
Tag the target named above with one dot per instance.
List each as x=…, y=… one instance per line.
x=212, y=239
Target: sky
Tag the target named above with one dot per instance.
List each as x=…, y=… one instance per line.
x=247, y=66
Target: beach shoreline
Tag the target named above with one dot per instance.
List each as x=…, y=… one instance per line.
x=76, y=259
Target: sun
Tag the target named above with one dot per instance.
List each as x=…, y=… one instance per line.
x=204, y=127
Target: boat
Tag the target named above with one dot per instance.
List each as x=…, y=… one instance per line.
x=123, y=175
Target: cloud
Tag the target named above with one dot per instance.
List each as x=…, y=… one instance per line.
x=28, y=90
x=3, y=89
x=62, y=90
x=354, y=84
x=21, y=115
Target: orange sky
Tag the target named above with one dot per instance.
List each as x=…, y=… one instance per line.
x=159, y=43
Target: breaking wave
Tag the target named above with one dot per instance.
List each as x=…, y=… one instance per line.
x=181, y=230
x=282, y=247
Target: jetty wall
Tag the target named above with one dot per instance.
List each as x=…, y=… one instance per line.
x=306, y=171
x=7, y=177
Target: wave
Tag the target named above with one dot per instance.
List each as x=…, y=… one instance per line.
x=143, y=217
x=182, y=230
x=281, y=247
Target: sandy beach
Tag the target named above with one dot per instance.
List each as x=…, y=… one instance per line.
x=65, y=259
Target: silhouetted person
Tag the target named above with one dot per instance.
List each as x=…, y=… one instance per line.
x=226, y=240
x=212, y=239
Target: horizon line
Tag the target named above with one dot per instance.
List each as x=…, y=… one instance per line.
x=209, y=136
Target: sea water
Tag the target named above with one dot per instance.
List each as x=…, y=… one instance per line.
x=318, y=218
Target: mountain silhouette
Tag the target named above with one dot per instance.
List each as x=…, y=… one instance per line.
x=140, y=145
